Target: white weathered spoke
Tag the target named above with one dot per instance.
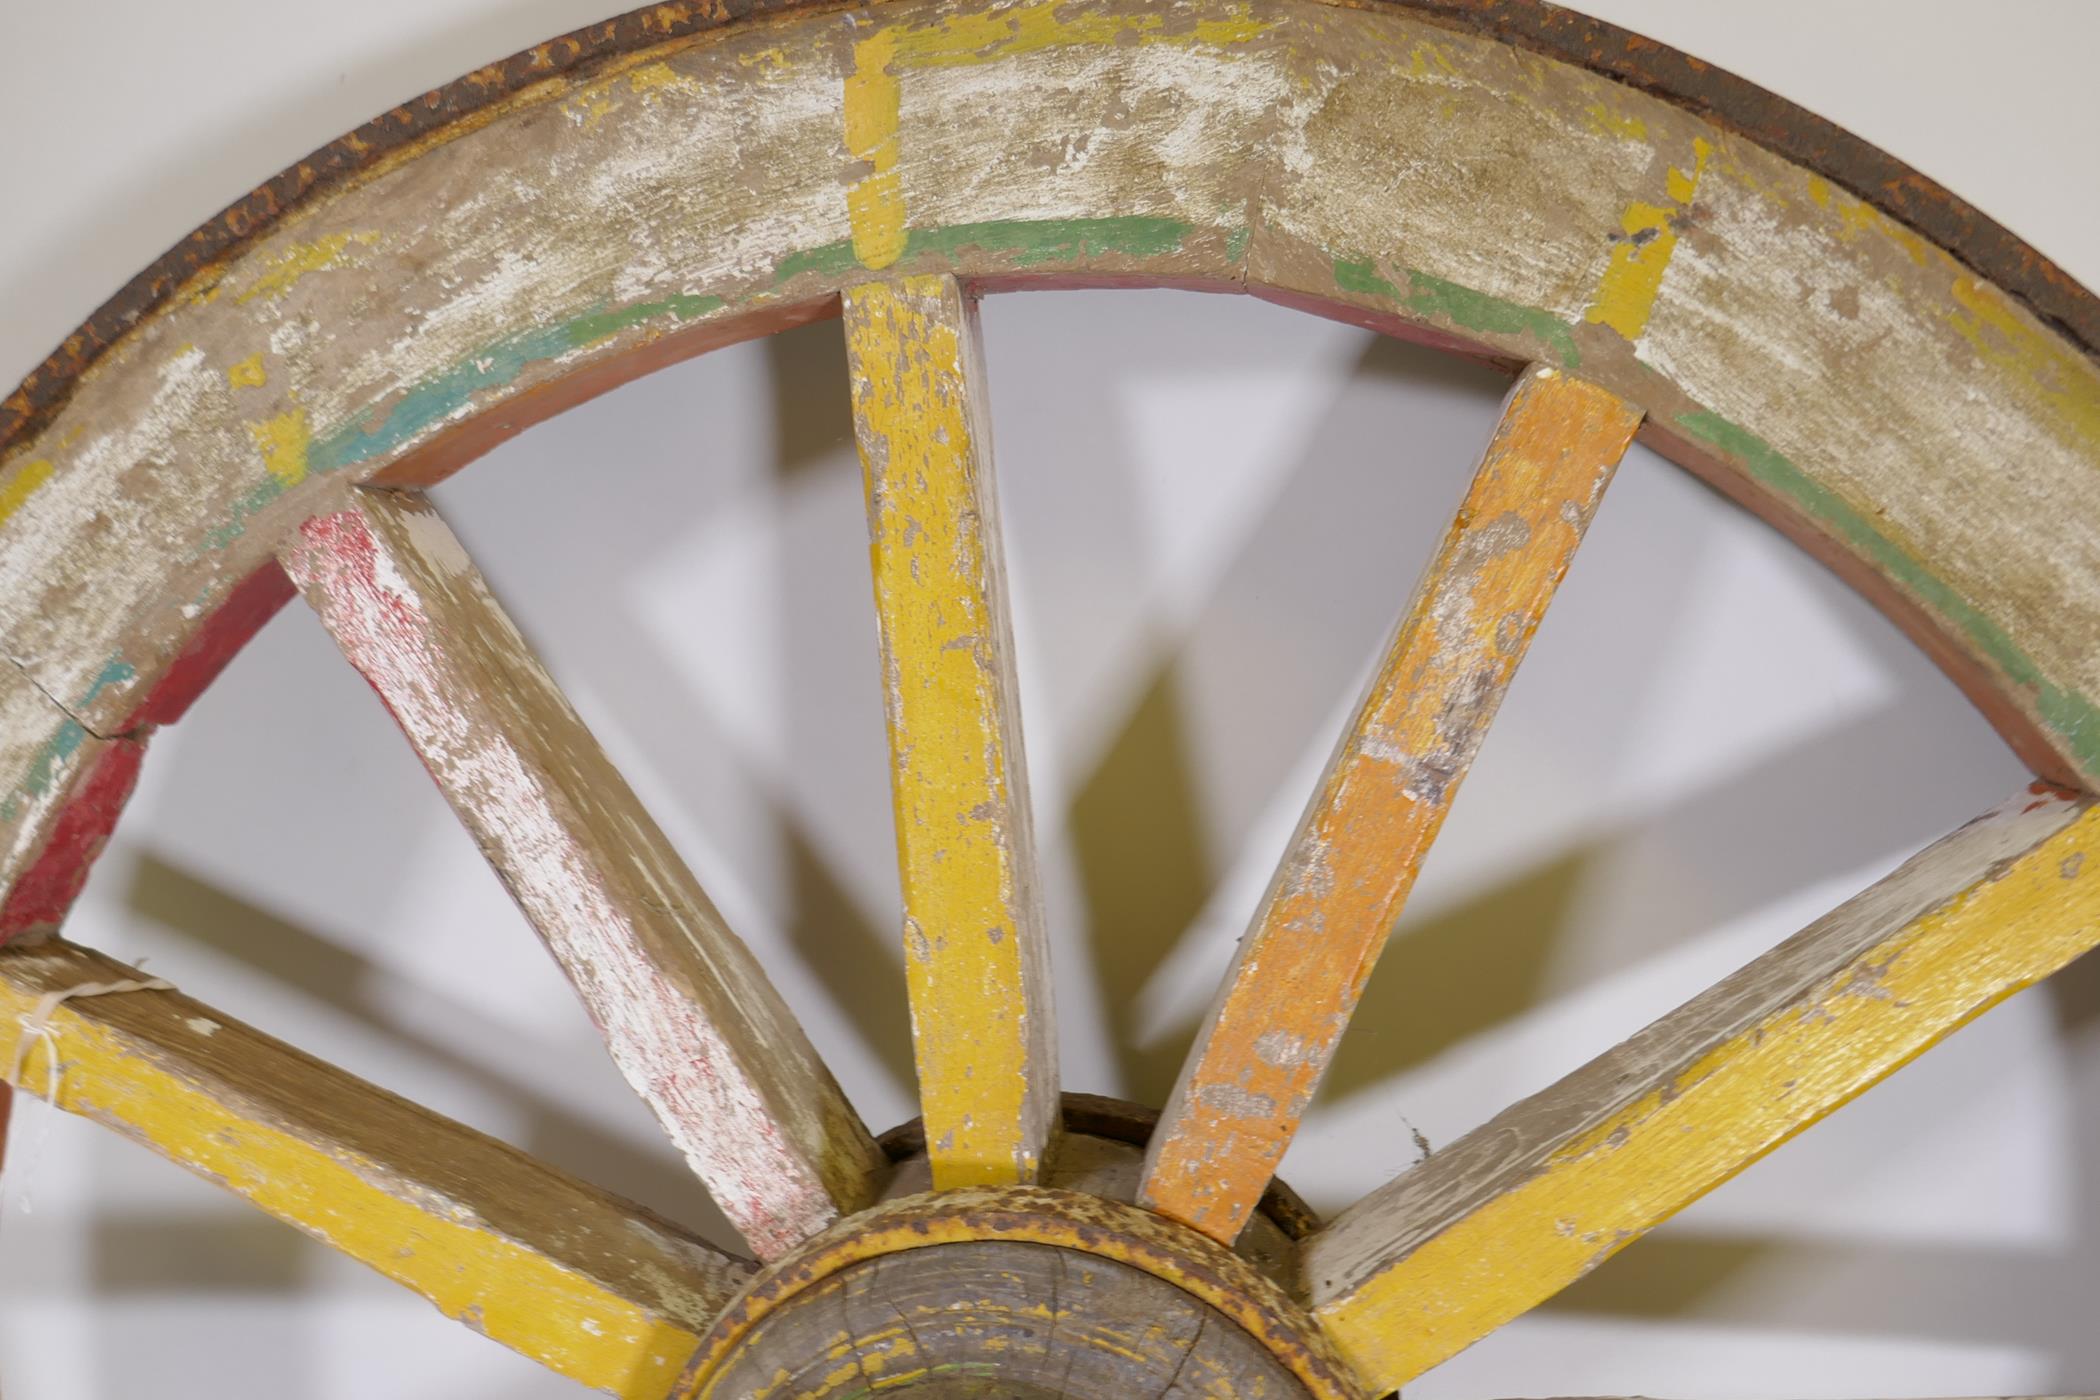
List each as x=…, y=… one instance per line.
x=976, y=956
x=1295, y=981
x=587, y=1284
x=684, y=1008
x=1524, y=1205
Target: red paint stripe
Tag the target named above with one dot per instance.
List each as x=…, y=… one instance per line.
x=251, y=603
x=48, y=888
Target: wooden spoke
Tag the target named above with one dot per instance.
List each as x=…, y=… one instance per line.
x=976, y=958
x=1300, y=970
x=584, y=1283
x=688, y=1015
x=1524, y=1205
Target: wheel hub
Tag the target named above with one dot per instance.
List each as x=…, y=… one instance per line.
x=1030, y=1292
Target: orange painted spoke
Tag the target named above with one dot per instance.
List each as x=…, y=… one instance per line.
x=685, y=1010
x=975, y=952
x=1524, y=1205
x=584, y=1283
x=1327, y=912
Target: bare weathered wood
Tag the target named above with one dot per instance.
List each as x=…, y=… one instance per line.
x=589, y=1285
x=977, y=955
x=1295, y=980
x=686, y=1011
x=917, y=1235
x=1792, y=343
x=1521, y=1207
x=1016, y=1321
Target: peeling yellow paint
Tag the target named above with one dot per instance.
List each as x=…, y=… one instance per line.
x=589, y=107
x=1607, y=121
x=1626, y=293
x=1856, y=216
x=975, y=964
x=510, y=1292
x=284, y=268
x=283, y=442
x=2064, y=383
x=1425, y=60
x=26, y=481
x=247, y=374
x=657, y=77
x=1885, y=1006
x=875, y=201
x=770, y=63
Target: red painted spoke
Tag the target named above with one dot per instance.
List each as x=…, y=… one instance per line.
x=685, y=1010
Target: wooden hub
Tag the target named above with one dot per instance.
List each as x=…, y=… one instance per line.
x=1029, y=1292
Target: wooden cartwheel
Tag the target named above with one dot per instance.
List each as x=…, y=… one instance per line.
x=1651, y=247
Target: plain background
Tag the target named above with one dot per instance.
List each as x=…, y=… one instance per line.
x=1215, y=510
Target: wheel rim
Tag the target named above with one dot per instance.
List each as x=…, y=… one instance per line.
x=292, y=468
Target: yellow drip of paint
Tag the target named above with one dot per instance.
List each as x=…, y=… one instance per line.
x=283, y=442
x=26, y=481
x=247, y=374
x=875, y=202
x=1626, y=292
x=511, y=1293
x=284, y=268
x=1738, y=1102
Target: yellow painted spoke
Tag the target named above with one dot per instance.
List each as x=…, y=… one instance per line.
x=686, y=1011
x=1526, y=1204
x=975, y=955
x=1299, y=972
x=582, y=1282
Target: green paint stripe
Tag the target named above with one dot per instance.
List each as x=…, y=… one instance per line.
x=1033, y=242
x=1024, y=242
x=2068, y=714
x=1460, y=306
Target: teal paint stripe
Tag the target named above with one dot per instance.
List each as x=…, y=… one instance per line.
x=438, y=398
x=115, y=671
x=1033, y=242
x=2067, y=713
x=1028, y=243
x=45, y=764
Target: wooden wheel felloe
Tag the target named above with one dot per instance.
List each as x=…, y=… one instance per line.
x=1650, y=250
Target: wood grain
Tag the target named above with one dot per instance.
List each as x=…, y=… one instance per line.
x=1799, y=347
x=1524, y=1205
x=688, y=1015
x=586, y=1284
x=977, y=956
x=1296, y=978
x=993, y=1319
x=1084, y=1226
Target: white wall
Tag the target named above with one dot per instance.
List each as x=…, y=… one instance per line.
x=1215, y=509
